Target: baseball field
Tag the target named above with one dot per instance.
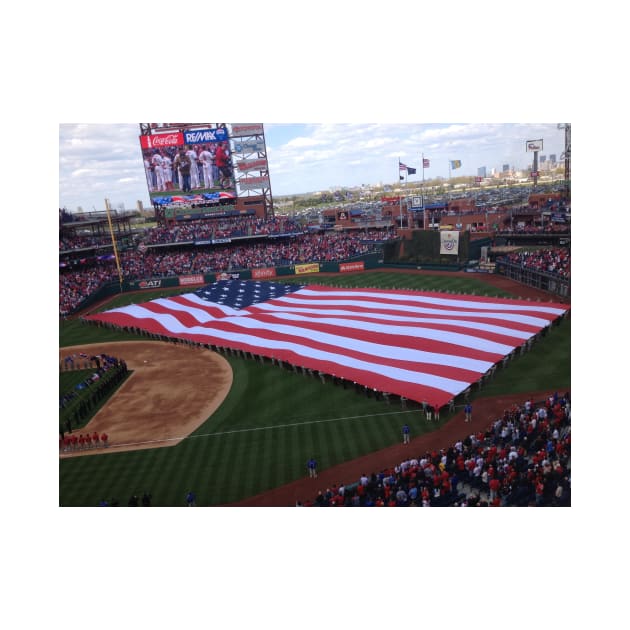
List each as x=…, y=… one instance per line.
x=229, y=427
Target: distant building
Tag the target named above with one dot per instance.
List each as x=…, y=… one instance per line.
x=481, y=171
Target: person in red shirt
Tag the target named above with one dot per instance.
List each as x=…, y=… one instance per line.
x=494, y=485
x=95, y=439
x=104, y=439
x=221, y=161
x=81, y=441
x=88, y=441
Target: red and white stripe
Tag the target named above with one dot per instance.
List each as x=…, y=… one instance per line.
x=424, y=346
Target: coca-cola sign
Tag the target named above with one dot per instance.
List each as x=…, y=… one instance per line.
x=159, y=140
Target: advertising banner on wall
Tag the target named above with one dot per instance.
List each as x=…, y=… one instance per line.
x=147, y=284
x=246, y=129
x=203, y=136
x=250, y=146
x=244, y=166
x=252, y=183
x=263, y=272
x=161, y=140
x=224, y=275
x=355, y=266
x=194, y=279
x=308, y=268
x=449, y=242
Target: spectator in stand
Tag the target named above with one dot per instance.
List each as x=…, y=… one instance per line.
x=498, y=472
x=556, y=261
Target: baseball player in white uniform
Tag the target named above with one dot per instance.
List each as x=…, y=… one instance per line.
x=207, y=160
x=167, y=170
x=194, y=168
x=157, y=161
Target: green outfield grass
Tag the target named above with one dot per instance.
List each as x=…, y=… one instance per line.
x=273, y=420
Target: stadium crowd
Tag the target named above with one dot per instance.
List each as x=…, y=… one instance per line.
x=555, y=261
x=199, y=229
x=71, y=242
x=528, y=228
x=523, y=458
x=77, y=284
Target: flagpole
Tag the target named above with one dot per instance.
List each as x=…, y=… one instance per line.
x=407, y=209
x=399, y=196
x=424, y=214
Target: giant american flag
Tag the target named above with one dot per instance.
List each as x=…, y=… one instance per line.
x=425, y=346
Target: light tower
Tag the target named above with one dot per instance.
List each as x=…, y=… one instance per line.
x=566, y=154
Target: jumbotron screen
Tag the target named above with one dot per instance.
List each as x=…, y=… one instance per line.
x=188, y=166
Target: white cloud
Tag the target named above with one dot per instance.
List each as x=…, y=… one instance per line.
x=303, y=142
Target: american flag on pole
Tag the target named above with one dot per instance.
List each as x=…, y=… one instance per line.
x=425, y=346
x=425, y=163
x=402, y=167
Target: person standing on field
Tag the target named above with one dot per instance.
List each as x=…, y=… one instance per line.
x=312, y=468
x=182, y=164
x=468, y=412
x=405, y=431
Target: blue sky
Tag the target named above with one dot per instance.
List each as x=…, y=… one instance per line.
x=103, y=160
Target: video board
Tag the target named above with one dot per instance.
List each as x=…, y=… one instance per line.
x=188, y=164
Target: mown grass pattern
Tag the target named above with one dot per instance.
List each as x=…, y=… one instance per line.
x=273, y=419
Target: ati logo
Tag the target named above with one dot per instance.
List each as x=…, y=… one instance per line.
x=150, y=284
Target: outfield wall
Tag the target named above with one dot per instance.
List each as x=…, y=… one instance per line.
x=537, y=279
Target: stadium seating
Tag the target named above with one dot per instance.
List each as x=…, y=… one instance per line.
x=527, y=452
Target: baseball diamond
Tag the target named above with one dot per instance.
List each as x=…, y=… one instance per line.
x=188, y=416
